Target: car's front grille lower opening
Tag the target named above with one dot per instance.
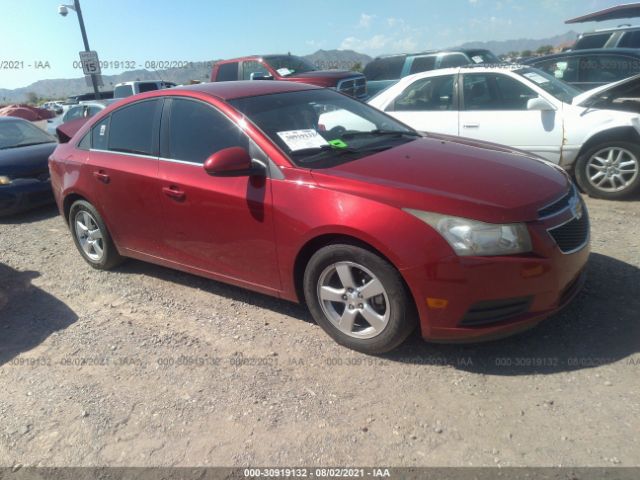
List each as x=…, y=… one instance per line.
x=492, y=311
x=573, y=235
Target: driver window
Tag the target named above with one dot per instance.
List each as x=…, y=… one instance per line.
x=495, y=92
x=197, y=131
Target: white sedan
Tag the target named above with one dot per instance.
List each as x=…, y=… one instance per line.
x=525, y=108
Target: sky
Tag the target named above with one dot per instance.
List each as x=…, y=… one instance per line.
x=42, y=44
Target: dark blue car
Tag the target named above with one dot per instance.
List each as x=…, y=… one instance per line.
x=24, y=169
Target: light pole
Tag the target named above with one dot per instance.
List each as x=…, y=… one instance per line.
x=64, y=11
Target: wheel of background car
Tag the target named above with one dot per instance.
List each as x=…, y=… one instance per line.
x=610, y=170
x=358, y=298
x=92, y=237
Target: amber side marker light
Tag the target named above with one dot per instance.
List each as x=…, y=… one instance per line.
x=437, y=302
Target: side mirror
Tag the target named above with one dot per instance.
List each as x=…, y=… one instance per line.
x=260, y=76
x=231, y=162
x=539, y=103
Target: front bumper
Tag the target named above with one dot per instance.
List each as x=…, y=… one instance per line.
x=456, y=295
x=24, y=194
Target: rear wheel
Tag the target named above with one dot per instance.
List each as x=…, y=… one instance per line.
x=92, y=237
x=358, y=298
x=610, y=170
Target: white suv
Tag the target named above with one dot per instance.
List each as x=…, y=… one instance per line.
x=528, y=109
x=126, y=89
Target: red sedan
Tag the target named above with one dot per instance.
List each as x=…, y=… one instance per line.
x=311, y=196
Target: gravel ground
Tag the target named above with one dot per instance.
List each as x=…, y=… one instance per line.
x=146, y=366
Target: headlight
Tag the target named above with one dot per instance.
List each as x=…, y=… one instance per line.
x=4, y=180
x=471, y=237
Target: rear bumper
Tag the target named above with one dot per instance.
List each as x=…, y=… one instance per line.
x=23, y=195
x=547, y=284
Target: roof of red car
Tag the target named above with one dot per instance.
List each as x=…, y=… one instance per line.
x=243, y=88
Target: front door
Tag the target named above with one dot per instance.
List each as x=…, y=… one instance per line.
x=494, y=109
x=221, y=225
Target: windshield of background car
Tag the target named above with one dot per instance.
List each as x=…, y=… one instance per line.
x=550, y=84
x=21, y=134
x=322, y=128
x=287, y=65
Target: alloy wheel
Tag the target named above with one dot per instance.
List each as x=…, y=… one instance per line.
x=612, y=169
x=89, y=235
x=353, y=299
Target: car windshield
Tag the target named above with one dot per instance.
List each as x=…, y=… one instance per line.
x=322, y=128
x=287, y=65
x=20, y=133
x=550, y=84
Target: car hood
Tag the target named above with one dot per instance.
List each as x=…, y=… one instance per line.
x=584, y=98
x=454, y=176
x=26, y=161
x=328, y=74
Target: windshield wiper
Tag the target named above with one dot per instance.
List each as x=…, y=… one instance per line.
x=338, y=151
x=395, y=133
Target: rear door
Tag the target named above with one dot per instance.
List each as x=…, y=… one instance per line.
x=123, y=165
x=220, y=225
x=429, y=104
x=494, y=109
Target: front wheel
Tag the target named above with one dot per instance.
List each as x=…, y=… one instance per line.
x=358, y=298
x=610, y=170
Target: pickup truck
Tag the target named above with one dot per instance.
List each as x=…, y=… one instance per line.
x=289, y=68
x=382, y=72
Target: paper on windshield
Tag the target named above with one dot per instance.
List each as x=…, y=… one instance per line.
x=284, y=71
x=536, y=77
x=301, y=139
x=477, y=59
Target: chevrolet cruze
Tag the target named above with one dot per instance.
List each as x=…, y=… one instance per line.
x=311, y=196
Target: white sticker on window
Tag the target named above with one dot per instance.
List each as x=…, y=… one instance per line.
x=284, y=71
x=536, y=77
x=301, y=139
x=477, y=59
x=103, y=128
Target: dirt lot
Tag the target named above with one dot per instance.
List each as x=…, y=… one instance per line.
x=147, y=366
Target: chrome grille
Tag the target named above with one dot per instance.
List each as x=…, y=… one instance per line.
x=354, y=87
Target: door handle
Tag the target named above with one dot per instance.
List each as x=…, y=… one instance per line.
x=103, y=177
x=173, y=192
x=471, y=125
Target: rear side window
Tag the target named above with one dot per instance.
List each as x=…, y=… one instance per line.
x=453, y=60
x=85, y=143
x=147, y=87
x=427, y=94
x=423, y=64
x=592, y=41
x=227, y=72
x=122, y=91
x=384, y=68
x=132, y=128
x=630, y=39
x=197, y=131
x=100, y=135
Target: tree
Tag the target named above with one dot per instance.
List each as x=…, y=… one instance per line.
x=526, y=53
x=32, y=98
x=544, y=50
x=356, y=67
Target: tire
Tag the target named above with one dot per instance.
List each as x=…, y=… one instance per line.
x=92, y=237
x=610, y=170
x=358, y=298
